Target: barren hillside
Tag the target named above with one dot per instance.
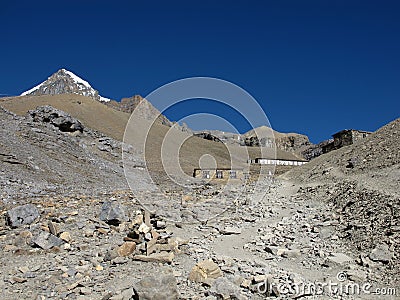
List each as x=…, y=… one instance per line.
x=361, y=184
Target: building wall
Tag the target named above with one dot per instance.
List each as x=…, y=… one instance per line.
x=348, y=137
x=328, y=147
x=345, y=138
x=357, y=135
x=214, y=174
x=279, y=162
x=342, y=139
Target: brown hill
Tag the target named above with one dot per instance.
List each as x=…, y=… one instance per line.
x=128, y=105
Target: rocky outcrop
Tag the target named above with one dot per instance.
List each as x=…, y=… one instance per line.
x=266, y=137
x=208, y=136
x=313, y=151
x=63, y=121
x=112, y=213
x=291, y=141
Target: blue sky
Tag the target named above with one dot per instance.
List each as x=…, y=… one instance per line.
x=315, y=67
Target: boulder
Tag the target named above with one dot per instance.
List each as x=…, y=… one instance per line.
x=127, y=248
x=381, y=253
x=22, y=215
x=225, y=289
x=161, y=287
x=231, y=230
x=112, y=213
x=205, y=271
x=340, y=258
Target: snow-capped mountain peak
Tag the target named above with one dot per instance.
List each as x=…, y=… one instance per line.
x=65, y=82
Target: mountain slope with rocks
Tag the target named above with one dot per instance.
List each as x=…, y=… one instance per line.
x=71, y=229
x=48, y=151
x=361, y=184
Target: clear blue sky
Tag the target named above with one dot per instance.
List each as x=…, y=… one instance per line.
x=316, y=67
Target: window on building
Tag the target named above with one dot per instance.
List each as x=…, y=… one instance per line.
x=219, y=174
x=232, y=174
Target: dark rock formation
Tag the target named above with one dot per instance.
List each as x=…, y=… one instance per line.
x=63, y=121
x=208, y=136
x=112, y=213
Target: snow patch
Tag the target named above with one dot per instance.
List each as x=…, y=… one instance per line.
x=104, y=99
x=76, y=78
x=32, y=89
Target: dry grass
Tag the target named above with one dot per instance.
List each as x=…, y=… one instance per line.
x=91, y=113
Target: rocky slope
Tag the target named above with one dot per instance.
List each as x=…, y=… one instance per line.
x=65, y=82
x=361, y=184
x=50, y=152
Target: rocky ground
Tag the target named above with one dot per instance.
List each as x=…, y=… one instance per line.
x=72, y=232
x=105, y=246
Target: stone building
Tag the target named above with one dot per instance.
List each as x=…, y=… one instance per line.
x=344, y=138
x=220, y=173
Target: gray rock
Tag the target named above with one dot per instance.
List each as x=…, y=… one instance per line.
x=127, y=294
x=275, y=250
x=291, y=253
x=112, y=213
x=22, y=215
x=46, y=240
x=340, y=258
x=231, y=230
x=222, y=287
x=381, y=253
x=162, y=287
x=356, y=275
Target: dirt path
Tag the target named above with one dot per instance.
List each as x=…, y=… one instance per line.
x=305, y=231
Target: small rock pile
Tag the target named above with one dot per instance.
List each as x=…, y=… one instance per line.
x=148, y=238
